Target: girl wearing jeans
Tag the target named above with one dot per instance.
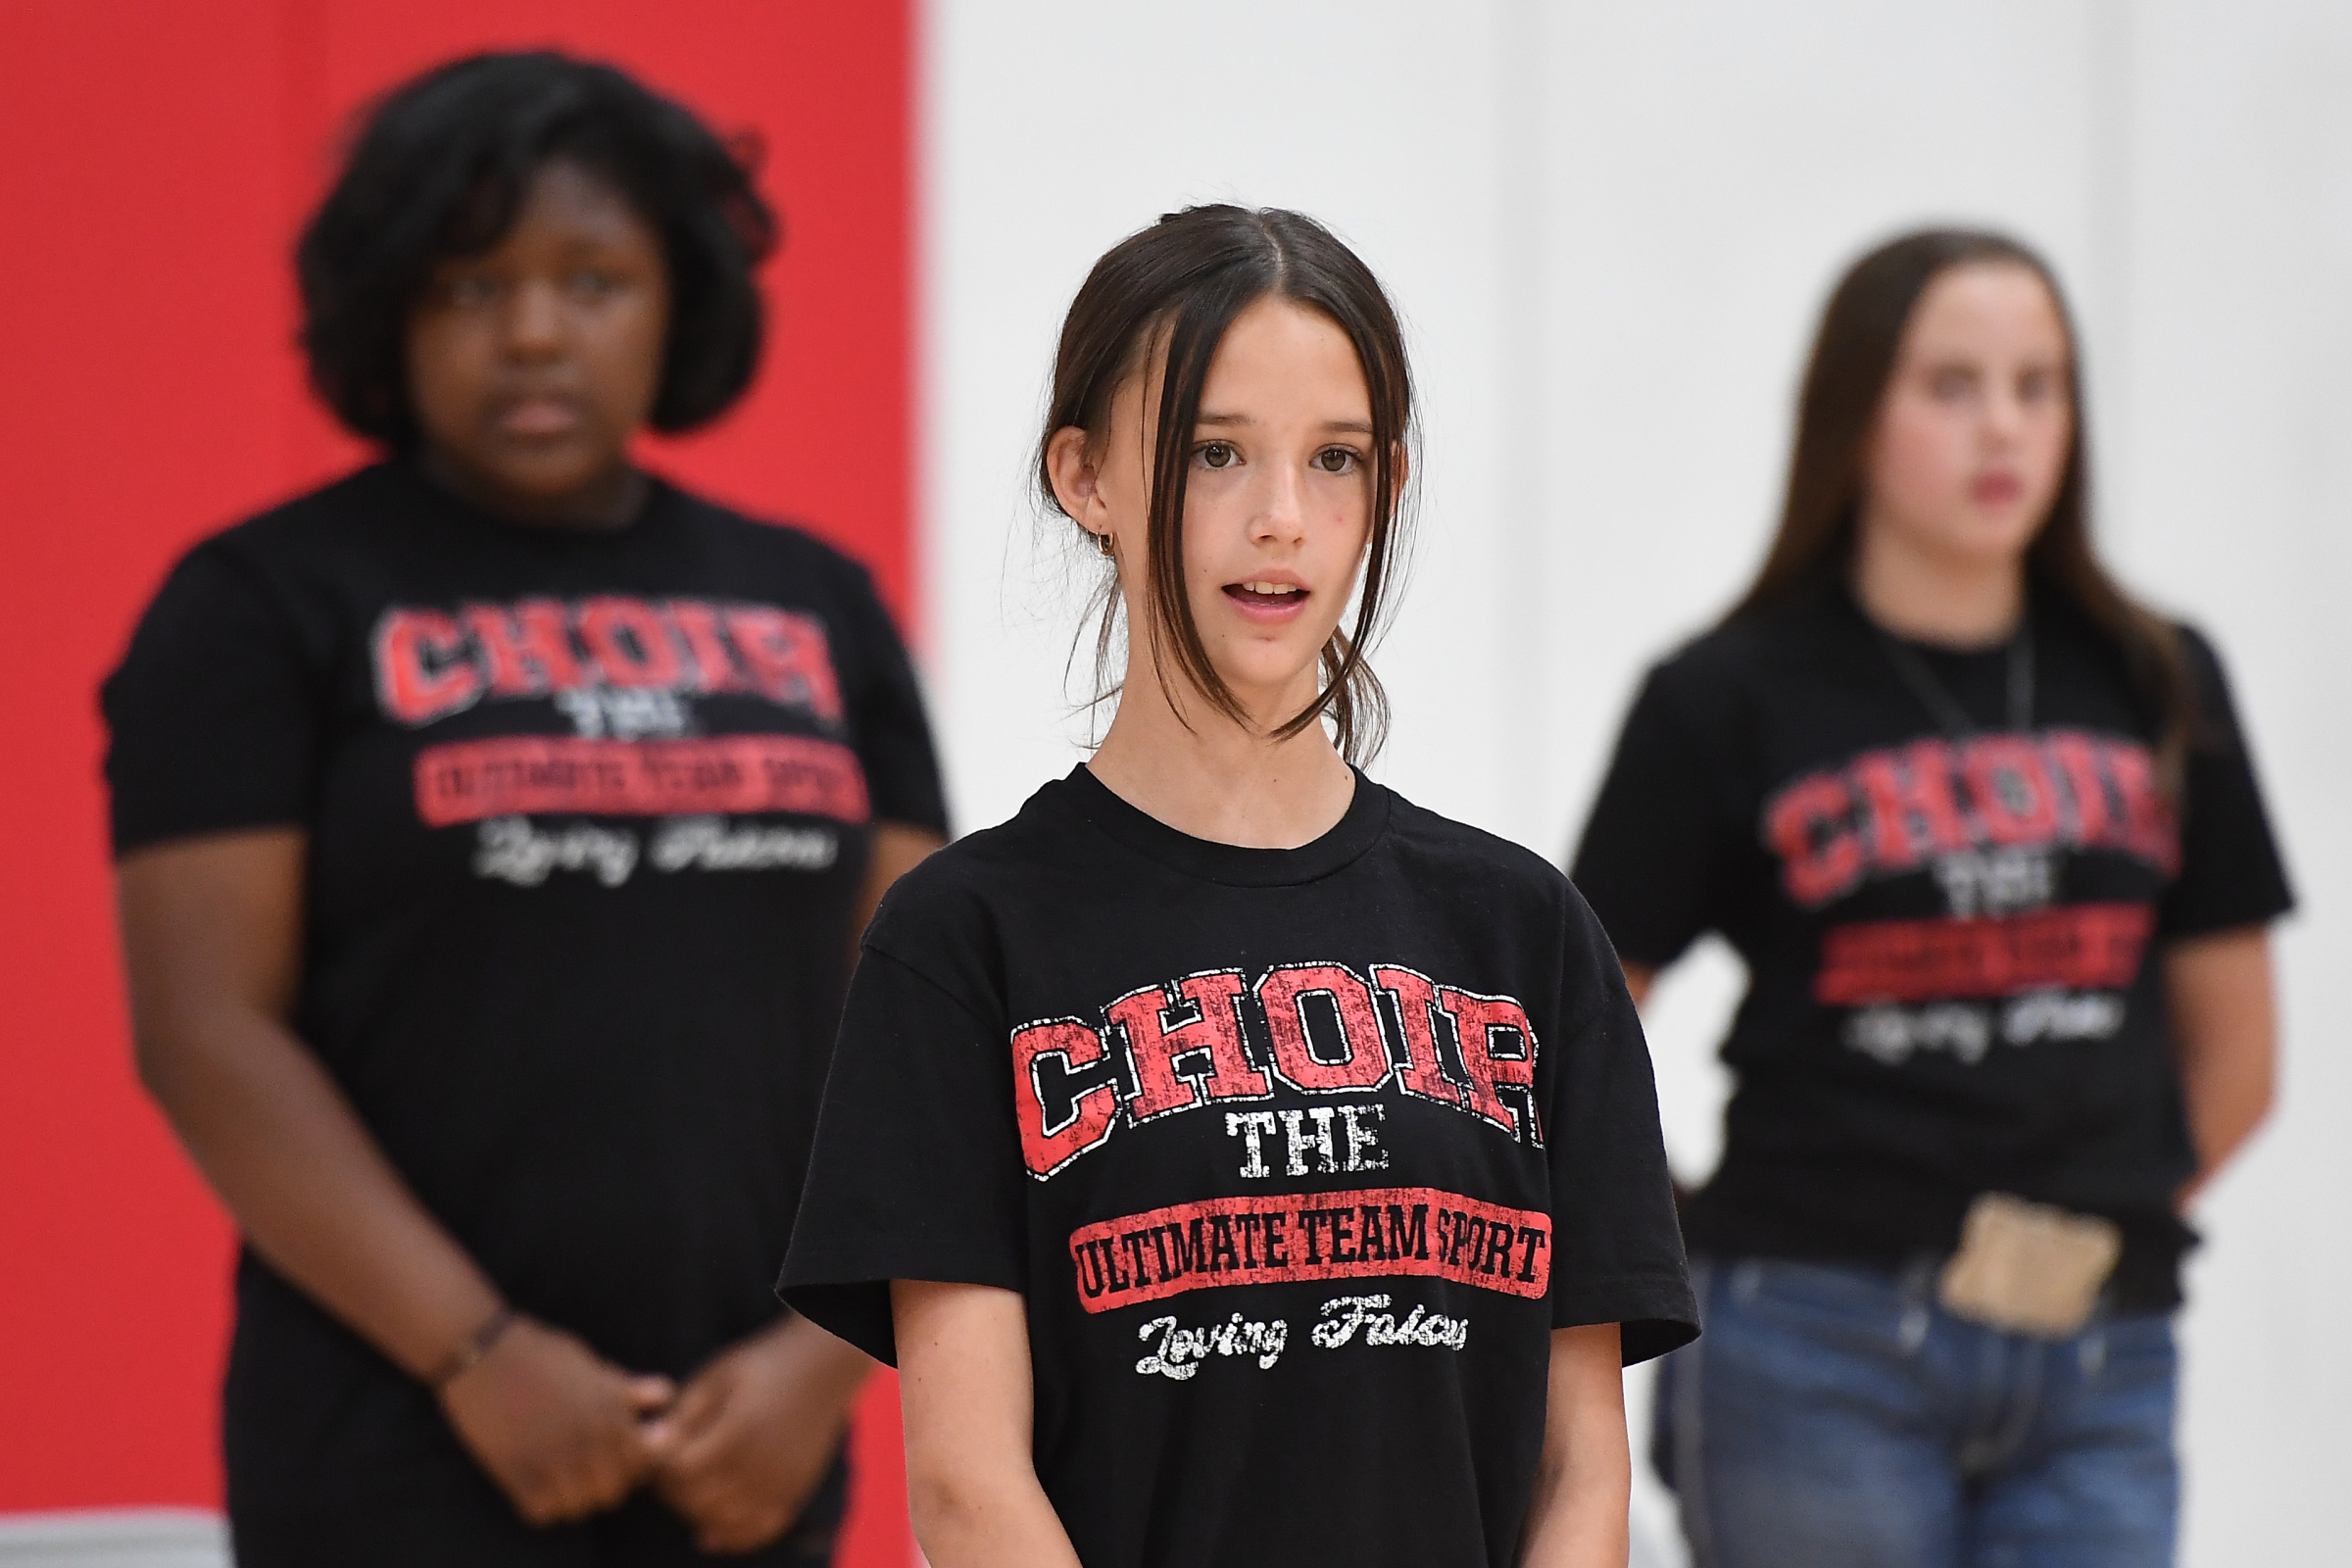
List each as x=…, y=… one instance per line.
x=1986, y=831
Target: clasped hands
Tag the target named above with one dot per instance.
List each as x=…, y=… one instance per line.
x=737, y=1450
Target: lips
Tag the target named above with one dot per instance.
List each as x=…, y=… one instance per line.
x=1267, y=599
x=1996, y=489
x=538, y=416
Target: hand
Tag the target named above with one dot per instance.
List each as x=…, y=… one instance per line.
x=560, y=1429
x=753, y=1434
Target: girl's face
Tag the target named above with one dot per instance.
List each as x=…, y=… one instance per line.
x=1278, y=500
x=531, y=364
x=1971, y=439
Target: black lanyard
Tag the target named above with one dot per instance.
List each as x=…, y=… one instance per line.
x=1939, y=697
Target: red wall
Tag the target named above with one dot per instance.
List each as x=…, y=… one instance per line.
x=156, y=157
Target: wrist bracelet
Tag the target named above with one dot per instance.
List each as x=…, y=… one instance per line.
x=467, y=1356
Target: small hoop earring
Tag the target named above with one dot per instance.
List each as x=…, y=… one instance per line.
x=1104, y=543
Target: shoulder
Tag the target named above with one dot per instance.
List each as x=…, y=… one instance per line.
x=946, y=920
x=949, y=887
x=324, y=516
x=2203, y=659
x=336, y=515
x=1755, y=647
x=306, y=561
x=2215, y=724
x=1712, y=699
x=2200, y=660
x=1524, y=900
x=1699, y=696
x=774, y=545
x=961, y=893
x=1500, y=881
x=265, y=565
x=1427, y=838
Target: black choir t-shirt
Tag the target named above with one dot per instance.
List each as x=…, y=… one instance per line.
x=1297, y=1155
x=1952, y=936
x=587, y=817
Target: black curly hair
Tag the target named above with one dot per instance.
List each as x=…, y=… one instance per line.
x=439, y=169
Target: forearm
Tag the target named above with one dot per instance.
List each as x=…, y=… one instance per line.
x=311, y=1193
x=998, y=1517
x=2227, y=1106
x=1576, y=1516
x=965, y=1388
x=2219, y=994
x=828, y=1371
x=211, y=941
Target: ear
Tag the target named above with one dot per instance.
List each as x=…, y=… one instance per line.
x=1077, y=480
x=1401, y=464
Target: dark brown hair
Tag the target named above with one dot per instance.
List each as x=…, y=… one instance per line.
x=1846, y=380
x=1172, y=290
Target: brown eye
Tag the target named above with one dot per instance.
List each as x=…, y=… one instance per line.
x=1338, y=460
x=1216, y=453
x=470, y=293
x=589, y=283
x=1951, y=385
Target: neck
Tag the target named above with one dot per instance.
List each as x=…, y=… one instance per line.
x=605, y=504
x=1218, y=779
x=1937, y=599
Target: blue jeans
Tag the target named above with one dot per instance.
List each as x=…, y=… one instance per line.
x=1836, y=1417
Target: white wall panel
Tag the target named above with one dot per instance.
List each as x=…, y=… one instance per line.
x=2235, y=503
x=1609, y=225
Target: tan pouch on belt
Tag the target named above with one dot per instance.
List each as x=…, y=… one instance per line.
x=2027, y=1267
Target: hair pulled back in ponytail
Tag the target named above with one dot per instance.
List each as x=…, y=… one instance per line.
x=1168, y=293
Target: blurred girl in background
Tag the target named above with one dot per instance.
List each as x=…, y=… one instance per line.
x=494, y=827
x=1987, y=836
x=1243, y=1165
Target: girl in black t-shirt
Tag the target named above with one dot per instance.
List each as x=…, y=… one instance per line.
x=1242, y=1164
x=1987, y=835
x=493, y=830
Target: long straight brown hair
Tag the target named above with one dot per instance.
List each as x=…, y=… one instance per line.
x=1171, y=290
x=1845, y=382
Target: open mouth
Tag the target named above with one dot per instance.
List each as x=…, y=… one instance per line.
x=1266, y=595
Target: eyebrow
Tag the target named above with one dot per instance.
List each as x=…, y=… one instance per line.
x=1347, y=427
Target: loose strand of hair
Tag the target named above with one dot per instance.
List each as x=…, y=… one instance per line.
x=1172, y=629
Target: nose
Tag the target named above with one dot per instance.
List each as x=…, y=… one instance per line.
x=534, y=321
x=1282, y=516
x=2005, y=413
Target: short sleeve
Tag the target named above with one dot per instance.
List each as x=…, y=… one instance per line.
x=2231, y=873
x=1655, y=851
x=893, y=736
x=1617, y=1247
x=214, y=715
x=916, y=1172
